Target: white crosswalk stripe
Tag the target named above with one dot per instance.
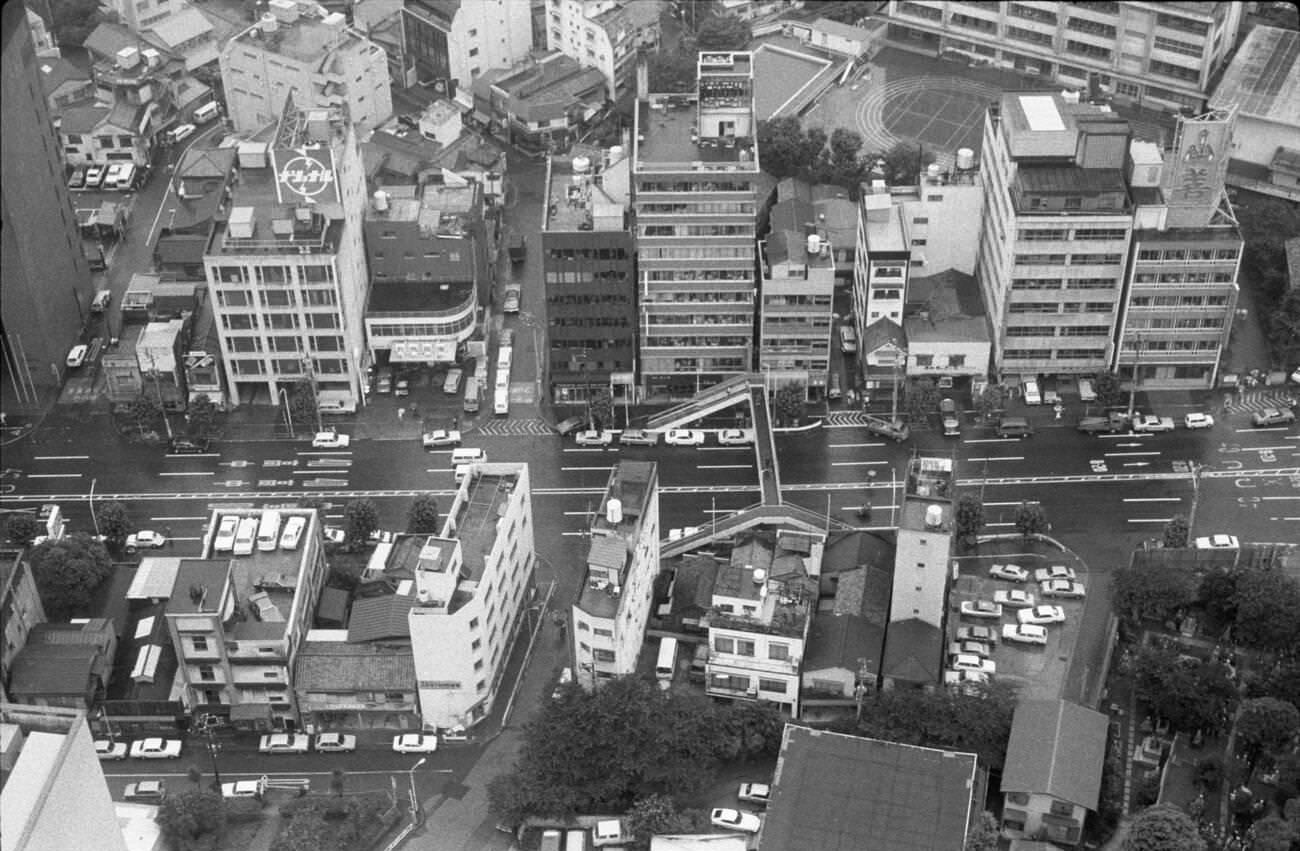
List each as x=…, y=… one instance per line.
x=1250, y=401
x=517, y=428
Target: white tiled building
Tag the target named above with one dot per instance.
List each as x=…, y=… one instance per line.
x=603, y=34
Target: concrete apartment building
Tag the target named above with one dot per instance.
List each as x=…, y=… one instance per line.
x=322, y=62
x=472, y=584
x=236, y=620
x=1156, y=54
x=610, y=616
x=798, y=283
x=287, y=269
x=53, y=795
x=20, y=609
x=540, y=105
x=695, y=170
x=39, y=241
x=605, y=35
x=1056, y=231
x=588, y=267
x=426, y=249
x=449, y=43
x=140, y=15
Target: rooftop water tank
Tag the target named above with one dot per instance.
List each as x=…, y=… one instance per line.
x=581, y=165
x=269, y=22
x=381, y=200
x=814, y=243
x=616, y=153
x=614, y=511
x=933, y=171
x=965, y=158
x=933, y=516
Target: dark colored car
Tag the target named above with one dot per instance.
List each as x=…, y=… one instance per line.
x=189, y=445
x=571, y=424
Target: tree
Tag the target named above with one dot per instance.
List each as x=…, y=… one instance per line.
x=1176, y=532
x=991, y=401
x=984, y=834
x=1108, y=388
x=1163, y=827
x=978, y=723
x=672, y=71
x=787, y=149
x=922, y=399
x=1268, y=610
x=144, y=412
x=1031, y=520
x=360, y=518
x=114, y=524
x=970, y=519
x=789, y=404
x=202, y=414
x=67, y=572
x=1274, y=833
x=1284, y=326
x=71, y=21
x=422, y=518
x=25, y=528
x=1152, y=593
x=723, y=32
x=651, y=815
x=841, y=163
x=1190, y=695
x=188, y=820
x=904, y=163
x=1216, y=595
x=1265, y=725
x=602, y=408
x=302, y=404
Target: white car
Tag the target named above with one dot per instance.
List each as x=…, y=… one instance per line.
x=1015, y=598
x=755, y=793
x=1032, y=396
x=441, y=437
x=292, y=534
x=243, y=789
x=965, y=679
x=77, y=355
x=985, y=634
x=1025, y=633
x=1056, y=571
x=1272, y=417
x=224, y=542
x=971, y=648
x=684, y=437
x=335, y=743
x=1198, y=421
x=145, y=792
x=980, y=609
x=182, y=132
x=144, y=539
x=1218, y=542
x=451, y=385
x=684, y=532
x=971, y=662
x=1152, y=423
x=415, y=743
x=330, y=440
x=1062, y=588
x=156, y=749
x=566, y=677
x=1010, y=572
x=106, y=750
x=285, y=743
x=591, y=437
x=335, y=535
x=735, y=437
x=1041, y=615
x=637, y=437
x=730, y=819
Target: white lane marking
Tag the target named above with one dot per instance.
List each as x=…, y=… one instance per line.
x=589, y=469
x=857, y=463
x=190, y=473
x=847, y=445
x=1149, y=519
x=725, y=466
x=53, y=475
x=992, y=458
x=61, y=458
x=1128, y=454
x=1153, y=499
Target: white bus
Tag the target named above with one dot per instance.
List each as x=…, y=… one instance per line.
x=268, y=531
x=501, y=400
x=667, y=662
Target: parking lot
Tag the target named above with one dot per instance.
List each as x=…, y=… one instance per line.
x=1039, y=671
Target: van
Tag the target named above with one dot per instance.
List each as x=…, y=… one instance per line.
x=575, y=840
x=246, y=537
x=207, y=112
x=127, y=176
x=181, y=133
x=467, y=455
x=501, y=400
x=667, y=662
x=471, y=396
x=1014, y=427
x=102, y=300
x=835, y=388
x=948, y=413
x=268, y=531
x=1086, y=393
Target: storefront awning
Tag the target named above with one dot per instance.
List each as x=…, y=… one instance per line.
x=423, y=351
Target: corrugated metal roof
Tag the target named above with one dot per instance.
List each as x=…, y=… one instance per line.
x=1056, y=748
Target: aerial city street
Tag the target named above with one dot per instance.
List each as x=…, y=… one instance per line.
x=455, y=425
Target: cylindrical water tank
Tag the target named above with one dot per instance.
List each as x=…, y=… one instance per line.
x=814, y=243
x=615, y=153
x=614, y=511
x=933, y=170
x=269, y=22
x=381, y=200
x=965, y=158
x=581, y=165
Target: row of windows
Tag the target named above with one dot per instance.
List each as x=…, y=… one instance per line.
x=251, y=345
x=1157, y=322
x=604, y=279
x=287, y=367
x=918, y=11
x=589, y=298
x=1178, y=72
x=746, y=647
x=954, y=361
x=1063, y=283
x=1054, y=354
x=656, y=275
x=1073, y=259
x=1067, y=331
x=1187, y=25
x=278, y=321
x=1180, y=301
x=1175, y=46
x=697, y=230
x=428, y=254
x=276, y=298
x=1183, y=278
x=1030, y=13
x=1172, y=345
x=698, y=252
x=273, y=274
x=689, y=186
x=680, y=365
x=798, y=300
x=1083, y=25
x=1057, y=234
x=423, y=330
x=1085, y=49
x=1179, y=255
x=590, y=322
x=586, y=253
x=698, y=297
x=670, y=342
x=696, y=319
x=745, y=208
x=1029, y=36
x=1062, y=307
x=973, y=22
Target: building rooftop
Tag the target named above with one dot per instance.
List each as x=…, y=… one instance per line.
x=668, y=134
x=913, y=652
x=836, y=792
x=384, y=617
x=55, y=71
x=543, y=89
x=882, y=220
x=1263, y=79
x=1056, y=748
x=1069, y=180
x=487, y=494
x=615, y=531
x=593, y=197
x=180, y=27
x=339, y=666
x=308, y=39
x=945, y=307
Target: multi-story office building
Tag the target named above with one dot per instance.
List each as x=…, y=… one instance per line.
x=287, y=268
x=588, y=269
x=1181, y=288
x=321, y=61
x=20, y=609
x=449, y=43
x=610, y=616
x=1055, y=239
x=53, y=794
x=695, y=168
x=472, y=584
x=1159, y=54
x=427, y=254
x=46, y=281
x=798, y=284
x=237, y=618
x=883, y=262
x=603, y=34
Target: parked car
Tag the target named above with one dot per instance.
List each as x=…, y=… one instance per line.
x=403, y=388
x=330, y=440
x=1099, y=425
x=101, y=301
x=415, y=743
x=335, y=743
x=730, y=819
x=1198, y=421
x=1015, y=598
x=1272, y=417
x=735, y=437
x=970, y=648
x=243, y=789
x=965, y=680
x=755, y=793
x=1086, y=391
x=284, y=743
x=1056, y=571
x=894, y=429
x=181, y=132
x=949, y=416
x=1010, y=572
x=156, y=749
x=683, y=532
x=440, y=437
x=510, y=304
x=335, y=535
x=144, y=539
x=106, y=750
x=566, y=677
x=848, y=339
x=1025, y=633
x=189, y=445
x=636, y=437
x=451, y=385
x=95, y=176
x=77, y=355
x=591, y=437
x=1041, y=615
x=985, y=634
x=571, y=424
x=1152, y=423
x=1064, y=588
x=224, y=541
x=1217, y=542
x=971, y=662
x=981, y=609
x=1032, y=394
x=455, y=736
x=684, y=437
x=145, y=792
x=384, y=383
x=77, y=180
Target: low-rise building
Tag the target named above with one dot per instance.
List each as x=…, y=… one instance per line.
x=351, y=685
x=20, y=609
x=604, y=34
x=449, y=44
x=833, y=36
x=188, y=35
x=94, y=133
x=64, y=83
x=66, y=664
x=947, y=330
x=540, y=105
x=797, y=287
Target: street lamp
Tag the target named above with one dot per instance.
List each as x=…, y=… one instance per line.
x=310, y=369
x=415, y=805
x=90, y=500
x=214, y=748
x=288, y=419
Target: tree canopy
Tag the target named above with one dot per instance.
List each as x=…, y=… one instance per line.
x=1031, y=520
x=114, y=524
x=422, y=518
x=1267, y=606
x=360, y=518
x=1266, y=725
x=978, y=723
x=24, y=528
x=969, y=515
x=1163, y=827
x=1151, y=592
x=1176, y=532
x=67, y=572
x=192, y=820
x=1190, y=695
x=723, y=32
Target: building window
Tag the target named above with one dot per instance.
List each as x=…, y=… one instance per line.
x=780, y=652
x=744, y=647
x=473, y=624
x=207, y=673
x=1062, y=808
x=776, y=686
x=473, y=51
x=200, y=644
x=724, y=645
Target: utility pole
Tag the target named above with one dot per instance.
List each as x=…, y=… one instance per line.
x=1132, y=388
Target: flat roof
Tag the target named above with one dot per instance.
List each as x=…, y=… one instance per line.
x=305, y=40
x=668, y=134
x=633, y=484
x=486, y=495
x=1263, y=79
x=594, y=199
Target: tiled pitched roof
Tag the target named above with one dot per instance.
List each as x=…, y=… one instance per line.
x=375, y=618
x=912, y=651
x=347, y=667
x=1056, y=748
